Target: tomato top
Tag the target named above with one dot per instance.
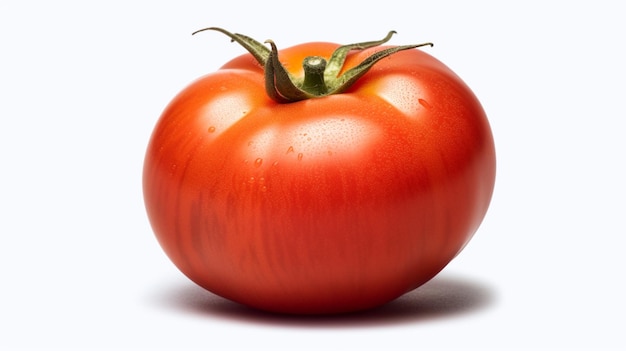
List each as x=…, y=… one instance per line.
x=320, y=77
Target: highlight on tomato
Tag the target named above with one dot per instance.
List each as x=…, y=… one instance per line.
x=320, y=178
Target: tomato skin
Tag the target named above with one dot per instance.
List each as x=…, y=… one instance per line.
x=327, y=205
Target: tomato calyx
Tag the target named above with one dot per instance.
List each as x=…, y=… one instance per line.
x=321, y=77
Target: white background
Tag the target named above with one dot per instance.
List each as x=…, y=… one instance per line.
x=83, y=83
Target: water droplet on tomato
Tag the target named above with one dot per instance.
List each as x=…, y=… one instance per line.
x=290, y=150
x=258, y=162
x=173, y=168
x=211, y=129
x=251, y=180
x=300, y=157
x=424, y=103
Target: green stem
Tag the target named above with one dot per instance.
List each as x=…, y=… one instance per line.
x=321, y=77
x=314, y=68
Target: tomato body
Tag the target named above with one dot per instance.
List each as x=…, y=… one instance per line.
x=326, y=205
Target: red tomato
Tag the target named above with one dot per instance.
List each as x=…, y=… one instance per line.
x=325, y=205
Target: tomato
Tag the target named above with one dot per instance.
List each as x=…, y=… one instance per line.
x=320, y=200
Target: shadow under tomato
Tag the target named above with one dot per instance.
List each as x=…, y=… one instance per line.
x=442, y=297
